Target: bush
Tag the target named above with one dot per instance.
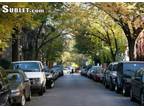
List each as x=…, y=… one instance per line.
x=6, y=64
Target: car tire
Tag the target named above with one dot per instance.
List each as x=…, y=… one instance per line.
x=51, y=85
x=124, y=92
x=41, y=91
x=105, y=84
x=44, y=89
x=23, y=100
x=111, y=86
x=117, y=89
x=29, y=97
x=131, y=96
x=142, y=99
x=7, y=103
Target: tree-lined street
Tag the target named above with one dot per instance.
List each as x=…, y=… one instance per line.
x=76, y=90
x=103, y=41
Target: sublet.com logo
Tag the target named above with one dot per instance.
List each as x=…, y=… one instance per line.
x=7, y=9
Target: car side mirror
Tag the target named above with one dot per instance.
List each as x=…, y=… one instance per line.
x=43, y=70
x=138, y=78
x=26, y=80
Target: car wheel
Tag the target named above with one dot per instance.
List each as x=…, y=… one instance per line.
x=7, y=102
x=124, y=91
x=105, y=84
x=131, y=95
x=44, y=89
x=142, y=99
x=111, y=86
x=52, y=85
x=23, y=100
x=29, y=98
x=117, y=89
x=41, y=91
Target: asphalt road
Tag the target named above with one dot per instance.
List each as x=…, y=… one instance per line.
x=76, y=90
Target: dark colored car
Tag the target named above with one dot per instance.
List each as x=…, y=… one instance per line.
x=59, y=69
x=92, y=71
x=125, y=71
x=4, y=88
x=137, y=87
x=55, y=72
x=20, y=87
x=110, y=76
x=97, y=73
x=49, y=78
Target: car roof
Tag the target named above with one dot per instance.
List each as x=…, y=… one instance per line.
x=26, y=61
x=113, y=63
x=131, y=62
x=96, y=67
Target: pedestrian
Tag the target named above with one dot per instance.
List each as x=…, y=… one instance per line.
x=72, y=71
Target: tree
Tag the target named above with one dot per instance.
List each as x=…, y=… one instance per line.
x=100, y=38
x=129, y=17
x=37, y=21
x=11, y=26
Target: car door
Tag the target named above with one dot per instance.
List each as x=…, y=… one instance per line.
x=26, y=84
x=108, y=74
x=137, y=84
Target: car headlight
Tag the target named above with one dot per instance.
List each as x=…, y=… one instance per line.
x=114, y=74
x=114, y=79
x=49, y=76
x=15, y=92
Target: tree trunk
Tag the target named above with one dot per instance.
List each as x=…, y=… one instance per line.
x=131, y=44
x=15, y=45
x=36, y=41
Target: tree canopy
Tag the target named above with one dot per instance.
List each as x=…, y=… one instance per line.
x=99, y=30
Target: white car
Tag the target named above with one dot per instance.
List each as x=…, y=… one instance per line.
x=34, y=70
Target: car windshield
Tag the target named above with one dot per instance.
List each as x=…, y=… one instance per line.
x=115, y=67
x=14, y=78
x=130, y=69
x=97, y=68
x=27, y=66
x=46, y=69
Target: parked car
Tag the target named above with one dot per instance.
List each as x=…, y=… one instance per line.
x=137, y=86
x=110, y=76
x=97, y=73
x=85, y=69
x=67, y=70
x=88, y=74
x=4, y=88
x=77, y=70
x=125, y=70
x=55, y=72
x=20, y=87
x=59, y=69
x=82, y=72
x=34, y=70
x=49, y=78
